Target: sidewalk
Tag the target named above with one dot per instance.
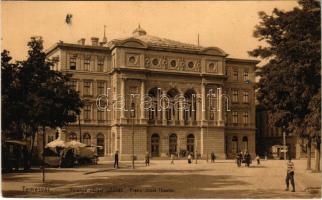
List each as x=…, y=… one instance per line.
x=222, y=179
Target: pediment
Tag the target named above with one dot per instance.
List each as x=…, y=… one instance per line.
x=135, y=43
x=213, y=51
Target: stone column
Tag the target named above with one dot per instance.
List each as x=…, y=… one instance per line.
x=158, y=106
x=123, y=97
x=203, y=102
x=164, y=119
x=181, y=110
x=219, y=105
x=142, y=116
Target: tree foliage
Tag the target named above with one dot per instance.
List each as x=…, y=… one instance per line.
x=289, y=84
x=34, y=95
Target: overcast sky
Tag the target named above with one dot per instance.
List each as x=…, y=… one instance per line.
x=227, y=25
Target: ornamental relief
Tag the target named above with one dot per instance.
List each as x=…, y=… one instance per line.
x=213, y=66
x=132, y=59
x=171, y=63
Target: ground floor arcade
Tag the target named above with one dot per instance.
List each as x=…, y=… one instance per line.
x=161, y=142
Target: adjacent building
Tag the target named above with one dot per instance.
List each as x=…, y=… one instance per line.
x=185, y=97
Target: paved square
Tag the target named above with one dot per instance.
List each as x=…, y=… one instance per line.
x=222, y=179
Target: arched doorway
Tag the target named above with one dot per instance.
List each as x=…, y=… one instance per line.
x=245, y=143
x=155, y=145
x=100, y=144
x=87, y=139
x=234, y=145
x=172, y=144
x=190, y=143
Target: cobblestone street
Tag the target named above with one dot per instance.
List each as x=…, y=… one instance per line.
x=162, y=180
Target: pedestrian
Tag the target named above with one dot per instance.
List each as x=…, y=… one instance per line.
x=213, y=157
x=147, y=159
x=116, y=160
x=247, y=159
x=189, y=158
x=290, y=175
x=239, y=158
x=172, y=158
x=258, y=160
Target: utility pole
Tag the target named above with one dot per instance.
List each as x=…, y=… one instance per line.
x=284, y=144
x=80, y=129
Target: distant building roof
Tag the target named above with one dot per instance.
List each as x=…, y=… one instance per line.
x=153, y=42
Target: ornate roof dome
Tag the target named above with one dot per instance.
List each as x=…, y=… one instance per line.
x=139, y=31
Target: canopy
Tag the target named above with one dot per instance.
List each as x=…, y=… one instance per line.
x=56, y=143
x=19, y=142
x=74, y=144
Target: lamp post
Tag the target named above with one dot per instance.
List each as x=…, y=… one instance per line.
x=132, y=115
x=43, y=153
x=284, y=144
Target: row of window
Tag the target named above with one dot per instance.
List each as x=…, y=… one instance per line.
x=235, y=96
x=235, y=75
x=244, y=118
x=87, y=65
x=88, y=87
x=87, y=113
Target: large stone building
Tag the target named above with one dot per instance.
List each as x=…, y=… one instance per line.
x=190, y=76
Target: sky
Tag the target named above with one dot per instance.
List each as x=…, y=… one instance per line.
x=228, y=25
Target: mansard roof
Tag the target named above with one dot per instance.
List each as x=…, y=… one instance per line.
x=140, y=39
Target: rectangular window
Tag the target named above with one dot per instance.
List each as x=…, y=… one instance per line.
x=72, y=63
x=235, y=96
x=246, y=78
x=87, y=88
x=87, y=112
x=100, y=65
x=86, y=64
x=73, y=84
x=100, y=88
x=235, y=74
x=235, y=118
x=245, y=98
x=245, y=117
x=100, y=115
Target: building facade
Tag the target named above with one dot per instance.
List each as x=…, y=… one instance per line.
x=162, y=96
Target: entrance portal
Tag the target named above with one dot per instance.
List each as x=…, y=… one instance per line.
x=155, y=140
x=190, y=143
x=173, y=144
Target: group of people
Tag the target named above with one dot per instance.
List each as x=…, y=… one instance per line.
x=243, y=158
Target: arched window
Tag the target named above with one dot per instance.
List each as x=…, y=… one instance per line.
x=234, y=147
x=173, y=110
x=190, y=143
x=72, y=136
x=190, y=105
x=245, y=143
x=172, y=144
x=87, y=138
x=155, y=145
x=153, y=93
x=100, y=142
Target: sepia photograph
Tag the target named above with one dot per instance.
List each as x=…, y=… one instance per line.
x=161, y=99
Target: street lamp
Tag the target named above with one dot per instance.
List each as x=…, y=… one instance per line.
x=132, y=115
x=43, y=153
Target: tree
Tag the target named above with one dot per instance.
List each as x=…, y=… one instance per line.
x=35, y=95
x=290, y=82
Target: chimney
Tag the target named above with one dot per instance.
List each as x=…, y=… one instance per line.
x=81, y=41
x=94, y=41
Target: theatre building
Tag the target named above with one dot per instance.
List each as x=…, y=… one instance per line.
x=209, y=104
